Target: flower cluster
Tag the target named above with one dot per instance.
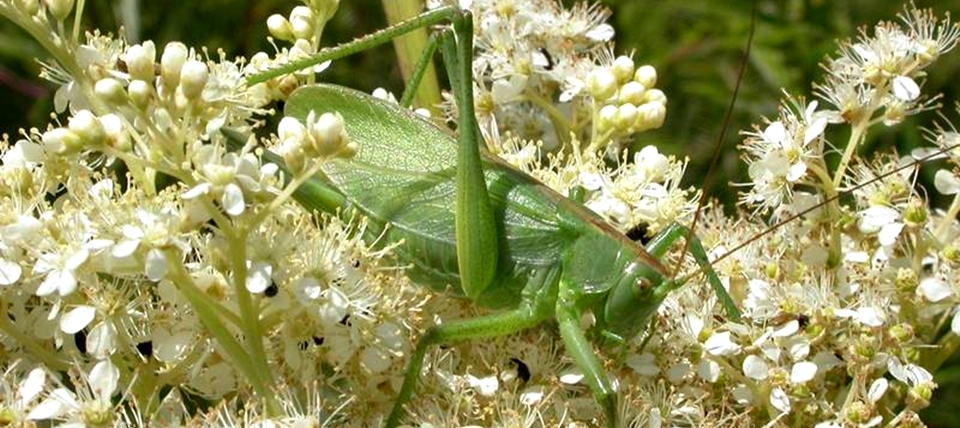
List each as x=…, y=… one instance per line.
x=548, y=74
x=152, y=257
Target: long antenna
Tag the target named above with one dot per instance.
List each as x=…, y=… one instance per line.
x=916, y=163
x=719, y=144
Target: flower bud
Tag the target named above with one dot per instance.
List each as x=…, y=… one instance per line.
x=113, y=128
x=918, y=396
x=329, y=135
x=288, y=84
x=950, y=253
x=646, y=75
x=140, y=93
x=631, y=92
x=171, y=63
x=626, y=116
x=301, y=49
x=61, y=141
x=292, y=154
x=326, y=8
x=902, y=333
x=623, y=68
x=87, y=127
x=60, y=9
x=606, y=117
x=139, y=59
x=302, y=22
x=601, y=84
x=290, y=128
x=650, y=116
x=111, y=91
x=29, y=7
x=280, y=28
x=894, y=114
x=858, y=412
x=916, y=213
x=906, y=280
x=193, y=77
x=655, y=96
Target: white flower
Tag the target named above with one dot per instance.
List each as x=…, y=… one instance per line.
x=787, y=329
x=884, y=221
x=778, y=154
x=760, y=302
x=103, y=380
x=55, y=405
x=60, y=270
x=171, y=347
x=230, y=177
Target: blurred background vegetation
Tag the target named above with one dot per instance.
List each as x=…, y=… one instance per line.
x=696, y=46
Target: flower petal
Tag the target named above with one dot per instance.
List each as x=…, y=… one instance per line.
x=233, y=202
x=905, y=89
x=77, y=318
x=720, y=344
x=9, y=272
x=755, y=368
x=946, y=183
x=103, y=379
x=803, y=372
x=934, y=289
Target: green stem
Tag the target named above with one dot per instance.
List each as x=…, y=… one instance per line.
x=560, y=123
x=204, y=306
x=249, y=313
x=36, y=350
x=55, y=45
x=833, y=212
x=77, y=15
x=427, y=19
x=858, y=133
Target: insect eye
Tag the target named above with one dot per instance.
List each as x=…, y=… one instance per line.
x=644, y=284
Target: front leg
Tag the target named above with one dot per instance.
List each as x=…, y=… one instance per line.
x=580, y=349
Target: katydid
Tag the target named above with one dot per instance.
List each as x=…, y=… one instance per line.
x=472, y=224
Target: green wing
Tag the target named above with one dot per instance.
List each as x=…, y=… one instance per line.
x=403, y=175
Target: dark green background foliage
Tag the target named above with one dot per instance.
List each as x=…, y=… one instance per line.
x=696, y=46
